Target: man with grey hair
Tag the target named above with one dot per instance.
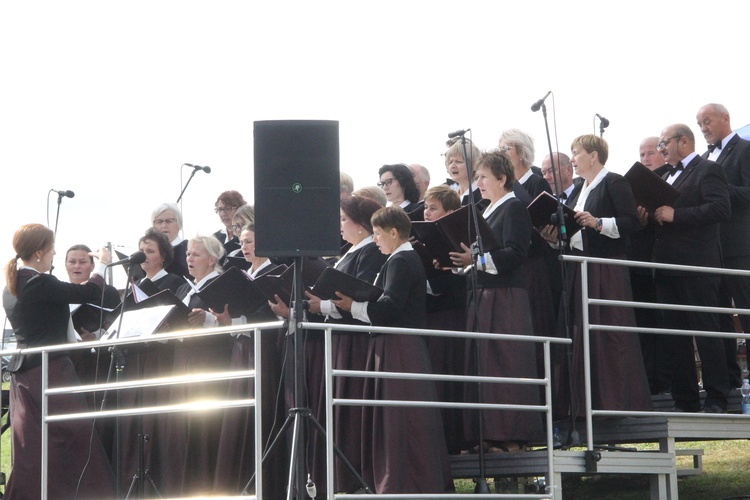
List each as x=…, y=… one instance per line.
x=732, y=152
x=687, y=233
x=650, y=157
x=421, y=178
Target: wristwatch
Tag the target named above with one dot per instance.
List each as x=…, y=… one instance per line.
x=599, y=225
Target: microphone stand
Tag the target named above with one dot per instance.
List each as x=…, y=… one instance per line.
x=601, y=128
x=186, y=185
x=559, y=221
x=60, y=196
x=478, y=257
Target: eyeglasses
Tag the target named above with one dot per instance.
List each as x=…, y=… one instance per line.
x=159, y=222
x=386, y=183
x=663, y=144
x=224, y=210
x=504, y=149
x=237, y=229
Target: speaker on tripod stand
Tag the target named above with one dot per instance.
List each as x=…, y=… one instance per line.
x=297, y=216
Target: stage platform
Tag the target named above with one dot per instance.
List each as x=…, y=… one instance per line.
x=616, y=449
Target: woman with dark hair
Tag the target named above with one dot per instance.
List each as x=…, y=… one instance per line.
x=225, y=207
x=159, y=255
x=363, y=260
x=502, y=306
x=78, y=464
x=399, y=187
x=167, y=219
x=606, y=209
x=394, y=436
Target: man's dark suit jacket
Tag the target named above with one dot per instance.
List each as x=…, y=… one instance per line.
x=735, y=233
x=693, y=237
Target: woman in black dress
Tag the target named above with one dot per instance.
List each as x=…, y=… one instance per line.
x=236, y=448
x=363, y=260
x=226, y=207
x=159, y=255
x=41, y=317
x=395, y=436
x=502, y=306
x=193, y=438
x=607, y=211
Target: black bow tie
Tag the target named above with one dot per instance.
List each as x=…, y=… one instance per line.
x=676, y=168
x=563, y=195
x=711, y=147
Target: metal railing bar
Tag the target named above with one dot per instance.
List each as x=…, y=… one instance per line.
x=151, y=410
x=154, y=382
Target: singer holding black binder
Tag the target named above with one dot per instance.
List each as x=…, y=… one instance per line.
x=503, y=307
x=607, y=211
x=394, y=436
x=41, y=317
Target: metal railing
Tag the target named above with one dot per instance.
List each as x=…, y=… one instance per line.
x=330, y=373
x=586, y=327
x=46, y=391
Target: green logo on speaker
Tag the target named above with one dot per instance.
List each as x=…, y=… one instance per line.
x=296, y=188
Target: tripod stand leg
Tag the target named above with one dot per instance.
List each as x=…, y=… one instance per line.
x=284, y=427
x=294, y=461
x=355, y=474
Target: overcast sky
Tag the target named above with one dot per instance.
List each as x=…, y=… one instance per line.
x=108, y=99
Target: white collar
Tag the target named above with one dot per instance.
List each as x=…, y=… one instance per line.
x=406, y=246
x=177, y=240
x=526, y=176
x=206, y=278
x=491, y=208
x=253, y=273
x=159, y=275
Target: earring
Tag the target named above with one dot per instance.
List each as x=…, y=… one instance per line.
x=38, y=259
x=360, y=231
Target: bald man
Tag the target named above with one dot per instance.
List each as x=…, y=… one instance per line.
x=564, y=170
x=733, y=153
x=641, y=248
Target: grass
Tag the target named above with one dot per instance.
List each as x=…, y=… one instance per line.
x=725, y=475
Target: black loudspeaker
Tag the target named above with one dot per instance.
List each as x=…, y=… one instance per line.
x=297, y=188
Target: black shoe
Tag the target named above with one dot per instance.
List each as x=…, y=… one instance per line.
x=709, y=408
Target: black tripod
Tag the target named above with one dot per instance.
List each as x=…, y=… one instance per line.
x=299, y=486
x=117, y=362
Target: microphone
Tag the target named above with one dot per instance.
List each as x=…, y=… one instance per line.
x=457, y=133
x=62, y=192
x=135, y=258
x=198, y=167
x=603, y=122
x=535, y=107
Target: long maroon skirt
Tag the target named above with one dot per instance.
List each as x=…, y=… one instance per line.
x=502, y=310
x=68, y=444
x=618, y=375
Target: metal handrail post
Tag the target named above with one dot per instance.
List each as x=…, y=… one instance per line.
x=258, y=414
x=586, y=353
x=45, y=429
x=548, y=415
x=328, y=357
